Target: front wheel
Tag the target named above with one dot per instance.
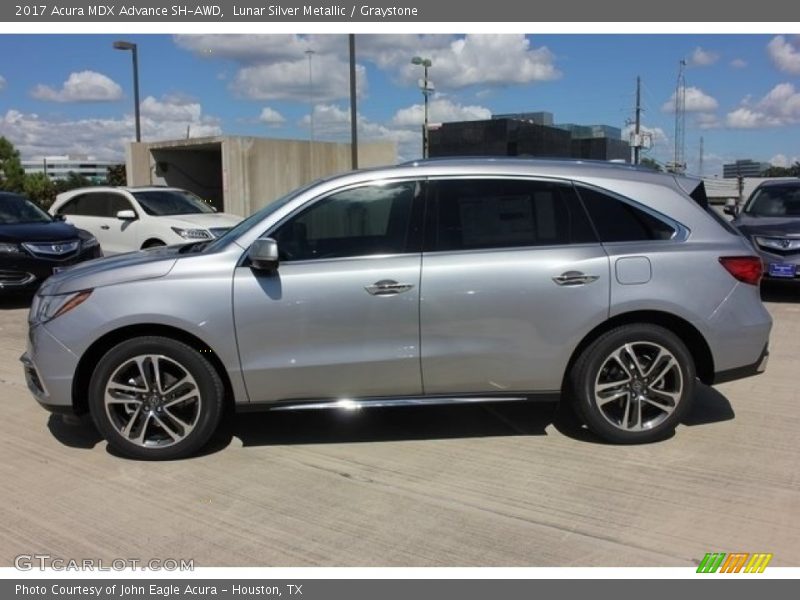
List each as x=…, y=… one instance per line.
x=633, y=384
x=155, y=398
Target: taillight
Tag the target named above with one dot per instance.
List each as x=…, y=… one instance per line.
x=747, y=269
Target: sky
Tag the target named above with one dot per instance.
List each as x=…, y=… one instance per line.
x=73, y=94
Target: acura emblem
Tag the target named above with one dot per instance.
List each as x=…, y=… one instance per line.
x=785, y=243
x=57, y=248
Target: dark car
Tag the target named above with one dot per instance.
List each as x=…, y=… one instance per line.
x=34, y=245
x=771, y=220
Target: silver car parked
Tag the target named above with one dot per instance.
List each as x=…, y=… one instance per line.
x=432, y=282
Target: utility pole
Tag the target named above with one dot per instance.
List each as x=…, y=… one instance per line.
x=637, y=146
x=679, y=164
x=701, y=157
x=310, y=54
x=353, y=107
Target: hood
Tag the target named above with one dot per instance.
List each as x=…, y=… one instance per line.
x=768, y=226
x=207, y=220
x=121, y=268
x=55, y=231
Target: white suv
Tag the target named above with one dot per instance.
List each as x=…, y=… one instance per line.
x=130, y=218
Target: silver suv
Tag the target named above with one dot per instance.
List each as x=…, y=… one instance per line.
x=435, y=282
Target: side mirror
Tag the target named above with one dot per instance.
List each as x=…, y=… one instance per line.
x=730, y=207
x=59, y=217
x=263, y=254
x=126, y=215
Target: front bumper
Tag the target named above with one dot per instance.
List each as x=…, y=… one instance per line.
x=49, y=368
x=768, y=258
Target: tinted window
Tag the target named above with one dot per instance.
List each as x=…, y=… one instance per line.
x=618, y=221
x=503, y=213
x=171, y=202
x=116, y=203
x=88, y=205
x=16, y=209
x=363, y=221
x=775, y=201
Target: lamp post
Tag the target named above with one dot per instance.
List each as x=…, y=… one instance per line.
x=310, y=54
x=427, y=87
x=122, y=45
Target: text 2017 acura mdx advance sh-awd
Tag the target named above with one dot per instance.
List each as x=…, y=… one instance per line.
x=431, y=282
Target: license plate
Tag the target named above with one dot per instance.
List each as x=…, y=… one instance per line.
x=782, y=270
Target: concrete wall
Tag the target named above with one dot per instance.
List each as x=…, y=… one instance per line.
x=253, y=171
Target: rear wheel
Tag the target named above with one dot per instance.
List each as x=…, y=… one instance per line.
x=155, y=398
x=634, y=384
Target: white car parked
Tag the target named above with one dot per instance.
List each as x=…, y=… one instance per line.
x=130, y=218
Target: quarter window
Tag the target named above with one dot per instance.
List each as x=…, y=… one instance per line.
x=475, y=214
x=619, y=221
x=363, y=221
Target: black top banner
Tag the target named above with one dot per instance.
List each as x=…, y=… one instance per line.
x=401, y=11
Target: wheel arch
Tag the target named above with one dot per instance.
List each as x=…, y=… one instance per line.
x=93, y=354
x=153, y=241
x=695, y=342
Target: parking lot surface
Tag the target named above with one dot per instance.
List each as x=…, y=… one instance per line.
x=492, y=485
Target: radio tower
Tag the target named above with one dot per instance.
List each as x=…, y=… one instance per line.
x=679, y=164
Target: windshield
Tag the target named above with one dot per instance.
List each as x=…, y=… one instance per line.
x=775, y=201
x=16, y=209
x=254, y=219
x=163, y=203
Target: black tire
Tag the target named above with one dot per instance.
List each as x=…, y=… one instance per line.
x=193, y=420
x=647, y=342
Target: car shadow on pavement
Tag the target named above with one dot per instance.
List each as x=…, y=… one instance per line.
x=710, y=406
x=15, y=302
x=386, y=424
x=78, y=432
x=780, y=291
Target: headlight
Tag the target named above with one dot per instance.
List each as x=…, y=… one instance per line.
x=47, y=308
x=193, y=234
x=9, y=248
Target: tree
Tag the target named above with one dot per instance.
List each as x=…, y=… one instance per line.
x=12, y=174
x=117, y=175
x=39, y=188
x=650, y=164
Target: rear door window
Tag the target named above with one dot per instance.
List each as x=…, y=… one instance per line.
x=474, y=214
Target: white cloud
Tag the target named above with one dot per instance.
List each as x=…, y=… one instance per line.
x=81, y=86
x=276, y=66
x=696, y=101
x=171, y=108
x=780, y=107
x=440, y=110
x=785, y=54
x=781, y=160
x=703, y=58
x=2, y=83
x=738, y=63
x=289, y=80
x=484, y=59
x=106, y=138
x=271, y=117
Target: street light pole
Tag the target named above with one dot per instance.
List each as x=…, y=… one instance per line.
x=310, y=54
x=122, y=45
x=426, y=87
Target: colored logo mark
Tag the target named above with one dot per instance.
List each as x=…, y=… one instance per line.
x=736, y=562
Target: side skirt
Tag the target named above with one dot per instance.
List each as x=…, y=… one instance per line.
x=392, y=401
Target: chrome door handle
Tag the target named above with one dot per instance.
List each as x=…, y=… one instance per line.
x=574, y=278
x=388, y=287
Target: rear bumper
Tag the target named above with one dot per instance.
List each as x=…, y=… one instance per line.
x=756, y=368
